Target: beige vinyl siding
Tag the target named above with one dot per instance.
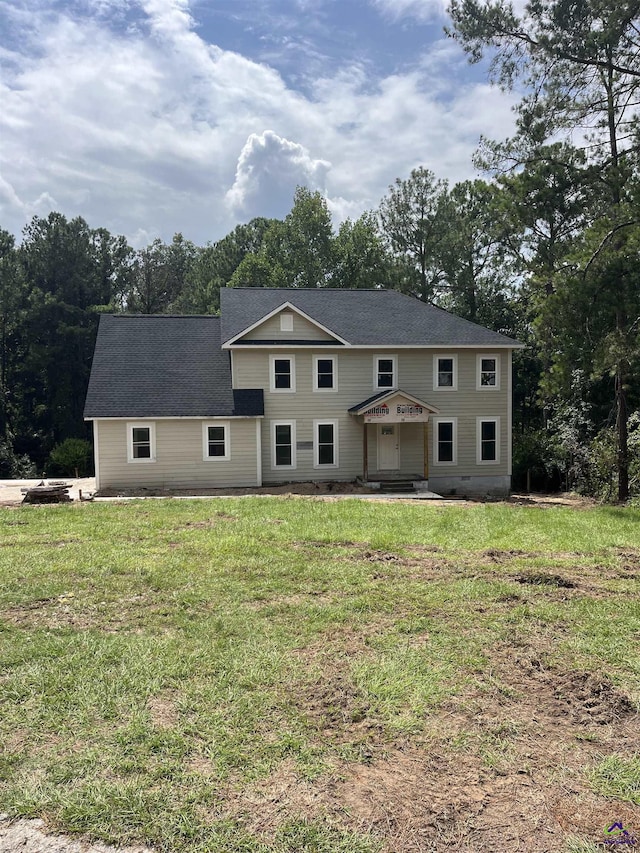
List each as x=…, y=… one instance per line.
x=302, y=330
x=355, y=371
x=179, y=456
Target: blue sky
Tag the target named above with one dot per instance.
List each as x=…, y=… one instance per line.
x=150, y=117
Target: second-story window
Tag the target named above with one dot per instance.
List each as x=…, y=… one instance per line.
x=283, y=373
x=385, y=372
x=324, y=377
x=488, y=376
x=445, y=372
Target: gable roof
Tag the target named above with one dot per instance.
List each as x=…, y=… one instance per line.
x=164, y=366
x=360, y=317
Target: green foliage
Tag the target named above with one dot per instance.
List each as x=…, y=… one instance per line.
x=71, y=458
x=618, y=776
x=412, y=225
x=13, y=466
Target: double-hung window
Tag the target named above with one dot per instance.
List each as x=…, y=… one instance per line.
x=216, y=441
x=385, y=372
x=283, y=444
x=324, y=373
x=325, y=444
x=141, y=442
x=445, y=372
x=488, y=440
x=445, y=441
x=283, y=375
x=488, y=373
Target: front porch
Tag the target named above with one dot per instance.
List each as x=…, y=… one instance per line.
x=395, y=444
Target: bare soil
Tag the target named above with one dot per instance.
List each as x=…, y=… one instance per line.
x=501, y=767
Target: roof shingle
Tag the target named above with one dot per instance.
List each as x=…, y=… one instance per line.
x=361, y=317
x=164, y=366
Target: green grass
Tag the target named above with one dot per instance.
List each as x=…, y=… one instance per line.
x=160, y=659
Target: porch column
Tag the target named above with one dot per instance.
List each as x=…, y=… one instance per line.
x=365, y=452
x=425, y=435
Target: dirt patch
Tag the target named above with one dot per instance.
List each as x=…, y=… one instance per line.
x=162, y=711
x=500, y=767
x=31, y=836
x=544, y=579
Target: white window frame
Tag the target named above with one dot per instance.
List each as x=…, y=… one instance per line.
x=316, y=443
x=227, y=441
x=293, y=465
x=435, y=459
x=333, y=359
x=479, y=359
x=436, y=361
x=286, y=321
x=394, y=379
x=479, y=422
x=150, y=425
x=272, y=373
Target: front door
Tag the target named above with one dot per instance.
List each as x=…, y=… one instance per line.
x=389, y=447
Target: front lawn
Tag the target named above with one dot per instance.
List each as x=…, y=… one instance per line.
x=293, y=674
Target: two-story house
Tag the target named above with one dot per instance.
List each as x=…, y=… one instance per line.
x=294, y=385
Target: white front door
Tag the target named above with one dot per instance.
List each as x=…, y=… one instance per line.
x=389, y=447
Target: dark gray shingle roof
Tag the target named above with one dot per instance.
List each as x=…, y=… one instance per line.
x=361, y=317
x=163, y=366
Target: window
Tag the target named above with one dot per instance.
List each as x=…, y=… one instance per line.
x=141, y=442
x=325, y=444
x=384, y=371
x=286, y=322
x=324, y=373
x=283, y=444
x=445, y=441
x=215, y=442
x=488, y=375
x=283, y=376
x=488, y=440
x=445, y=372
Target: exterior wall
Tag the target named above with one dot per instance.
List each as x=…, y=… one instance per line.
x=355, y=383
x=302, y=330
x=179, y=456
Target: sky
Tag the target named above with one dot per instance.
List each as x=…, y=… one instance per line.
x=152, y=117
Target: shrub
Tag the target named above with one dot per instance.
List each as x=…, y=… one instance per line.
x=71, y=458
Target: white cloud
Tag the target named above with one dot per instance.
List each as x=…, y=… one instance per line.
x=146, y=128
x=423, y=10
x=268, y=172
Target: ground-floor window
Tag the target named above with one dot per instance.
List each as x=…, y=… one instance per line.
x=283, y=444
x=444, y=441
x=216, y=441
x=141, y=442
x=325, y=444
x=488, y=437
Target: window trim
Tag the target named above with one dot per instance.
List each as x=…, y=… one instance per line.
x=436, y=371
x=316, y=443
x=150, y=425
x=479, y=421
x=272, y=373
x=436, y=423
x=294, y=461
x=205, y=441
x=479, y=359
x=394, y=378
x=334, y=360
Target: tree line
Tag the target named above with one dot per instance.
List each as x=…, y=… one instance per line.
x=544, y=249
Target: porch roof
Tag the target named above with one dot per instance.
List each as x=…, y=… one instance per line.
x=386, y=396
